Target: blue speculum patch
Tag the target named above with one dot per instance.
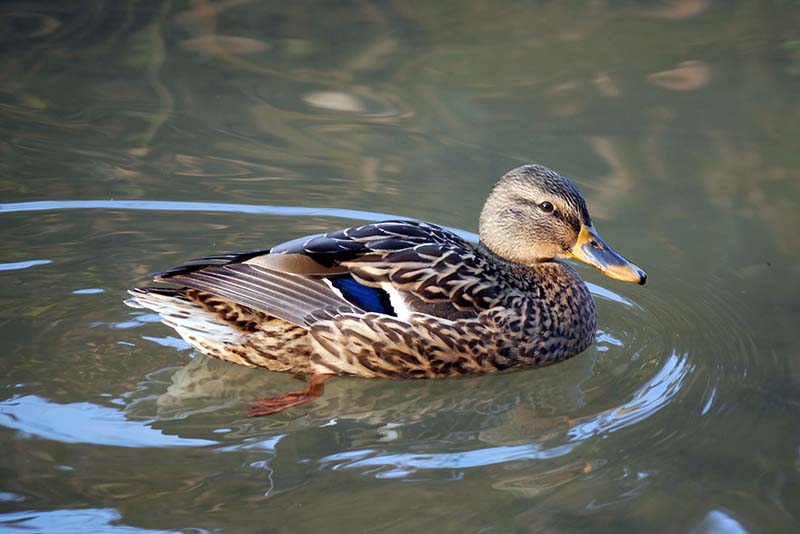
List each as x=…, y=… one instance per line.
x=367, y=298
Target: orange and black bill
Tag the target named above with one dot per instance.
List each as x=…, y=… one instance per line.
x=590, y=248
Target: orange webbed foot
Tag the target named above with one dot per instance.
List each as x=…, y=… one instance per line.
x=273, y=405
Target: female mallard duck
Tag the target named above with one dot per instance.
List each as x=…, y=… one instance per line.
x=402, y=299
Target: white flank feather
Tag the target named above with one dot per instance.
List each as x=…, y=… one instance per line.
x=187, y=318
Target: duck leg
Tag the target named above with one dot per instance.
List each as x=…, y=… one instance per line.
x=273, y=405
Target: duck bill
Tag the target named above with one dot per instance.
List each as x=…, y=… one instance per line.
x=590, y=248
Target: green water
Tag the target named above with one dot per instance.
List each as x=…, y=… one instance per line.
x=679, y=120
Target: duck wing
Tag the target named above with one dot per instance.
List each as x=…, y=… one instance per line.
x=287, y=296
x=417, y=258
x=345, y=271
x=386, y=236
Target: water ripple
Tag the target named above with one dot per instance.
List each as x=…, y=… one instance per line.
x=13, y=266
x=169, y=205
x=70, y=521
x=83, y=422
x=397, y=465
x=653, y=395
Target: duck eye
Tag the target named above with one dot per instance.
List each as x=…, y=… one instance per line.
x=546, y=206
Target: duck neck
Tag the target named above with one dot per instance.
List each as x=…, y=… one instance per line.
x=511, y=265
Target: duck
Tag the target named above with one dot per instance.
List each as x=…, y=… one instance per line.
x=401, y=299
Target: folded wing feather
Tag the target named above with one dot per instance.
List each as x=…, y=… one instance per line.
x=288, y=296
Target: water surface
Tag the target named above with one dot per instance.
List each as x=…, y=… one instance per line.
x=136, y=135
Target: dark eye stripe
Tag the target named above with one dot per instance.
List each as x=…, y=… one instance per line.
x=524, y=201
x=573, y=221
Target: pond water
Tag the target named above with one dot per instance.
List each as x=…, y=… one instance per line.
x=136, y=135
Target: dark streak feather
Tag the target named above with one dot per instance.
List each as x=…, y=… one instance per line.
x=287, y=296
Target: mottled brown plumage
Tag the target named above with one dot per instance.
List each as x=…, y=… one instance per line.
x=402, y=299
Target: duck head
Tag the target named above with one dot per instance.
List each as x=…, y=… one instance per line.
x=534, y=214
